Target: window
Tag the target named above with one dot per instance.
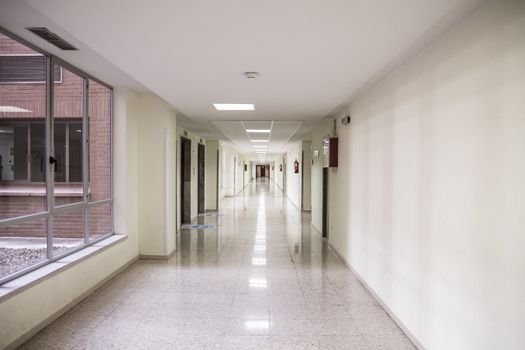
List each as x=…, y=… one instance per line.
x=27, y=141
x=28, y=68
x=55, y=159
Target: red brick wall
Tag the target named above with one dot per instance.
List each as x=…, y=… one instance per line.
x=68, y=102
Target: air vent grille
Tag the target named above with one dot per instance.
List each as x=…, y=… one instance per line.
x=54, y=39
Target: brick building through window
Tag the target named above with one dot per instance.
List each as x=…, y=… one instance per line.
x=23, y=183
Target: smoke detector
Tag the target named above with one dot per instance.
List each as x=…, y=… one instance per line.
x=251, y=75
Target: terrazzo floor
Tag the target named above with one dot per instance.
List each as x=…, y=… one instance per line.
x=261, y=279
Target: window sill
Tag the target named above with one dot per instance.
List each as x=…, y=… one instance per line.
x=24, y=282
x=39, y=190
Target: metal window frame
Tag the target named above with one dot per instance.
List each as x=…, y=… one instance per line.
x=51, y=209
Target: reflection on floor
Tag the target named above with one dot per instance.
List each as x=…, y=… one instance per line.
x=260, y=279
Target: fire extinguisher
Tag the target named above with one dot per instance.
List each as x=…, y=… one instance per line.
x=296, y=167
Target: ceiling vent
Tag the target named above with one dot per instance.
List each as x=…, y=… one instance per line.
x=54, y=39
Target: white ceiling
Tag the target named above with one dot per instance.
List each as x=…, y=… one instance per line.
x=312, y=55
x=281, y=132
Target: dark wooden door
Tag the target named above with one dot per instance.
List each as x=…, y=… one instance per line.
x=325, y=202
x=185, y=180
x=200, y=181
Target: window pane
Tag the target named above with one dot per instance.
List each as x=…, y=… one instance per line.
x=99, y=221
x=60, y=152
x=20, y=152
x=68, y=231
x=68, y=110
x=21, y=104
x=75, y=152
x=22, y=246
x=100, y=141
x=38, y=152
x=7, y=145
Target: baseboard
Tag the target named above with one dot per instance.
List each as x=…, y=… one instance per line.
x=156, y=257
x=33, y=331
x=400, y=324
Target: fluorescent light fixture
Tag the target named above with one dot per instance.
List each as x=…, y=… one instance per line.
x=260, y=146
x=234, y=106
x=259, y=140
x=259, y=130
x=13, y=109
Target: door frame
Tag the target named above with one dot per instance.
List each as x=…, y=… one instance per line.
x=201, y=163
x=324, y=211
x=185, y=210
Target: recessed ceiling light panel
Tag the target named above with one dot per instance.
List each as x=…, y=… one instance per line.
x=234, y=106
x=258, y=130
x=259, y=140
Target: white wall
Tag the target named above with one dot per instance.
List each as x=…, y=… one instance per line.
x=430, y=187
x=293, y=180
x=246, y=174
x=253, y=173
x=231, y=171
x=227, y=173
x=212, y=146
x=23, y=313
x=125, y=165
x=239, y=183
x=276, y=175
x=157, y=159
x=306, y=169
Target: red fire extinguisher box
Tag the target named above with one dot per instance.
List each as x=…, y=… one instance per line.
x=333, y=151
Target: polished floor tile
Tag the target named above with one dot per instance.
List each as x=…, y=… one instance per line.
x=261, y=279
